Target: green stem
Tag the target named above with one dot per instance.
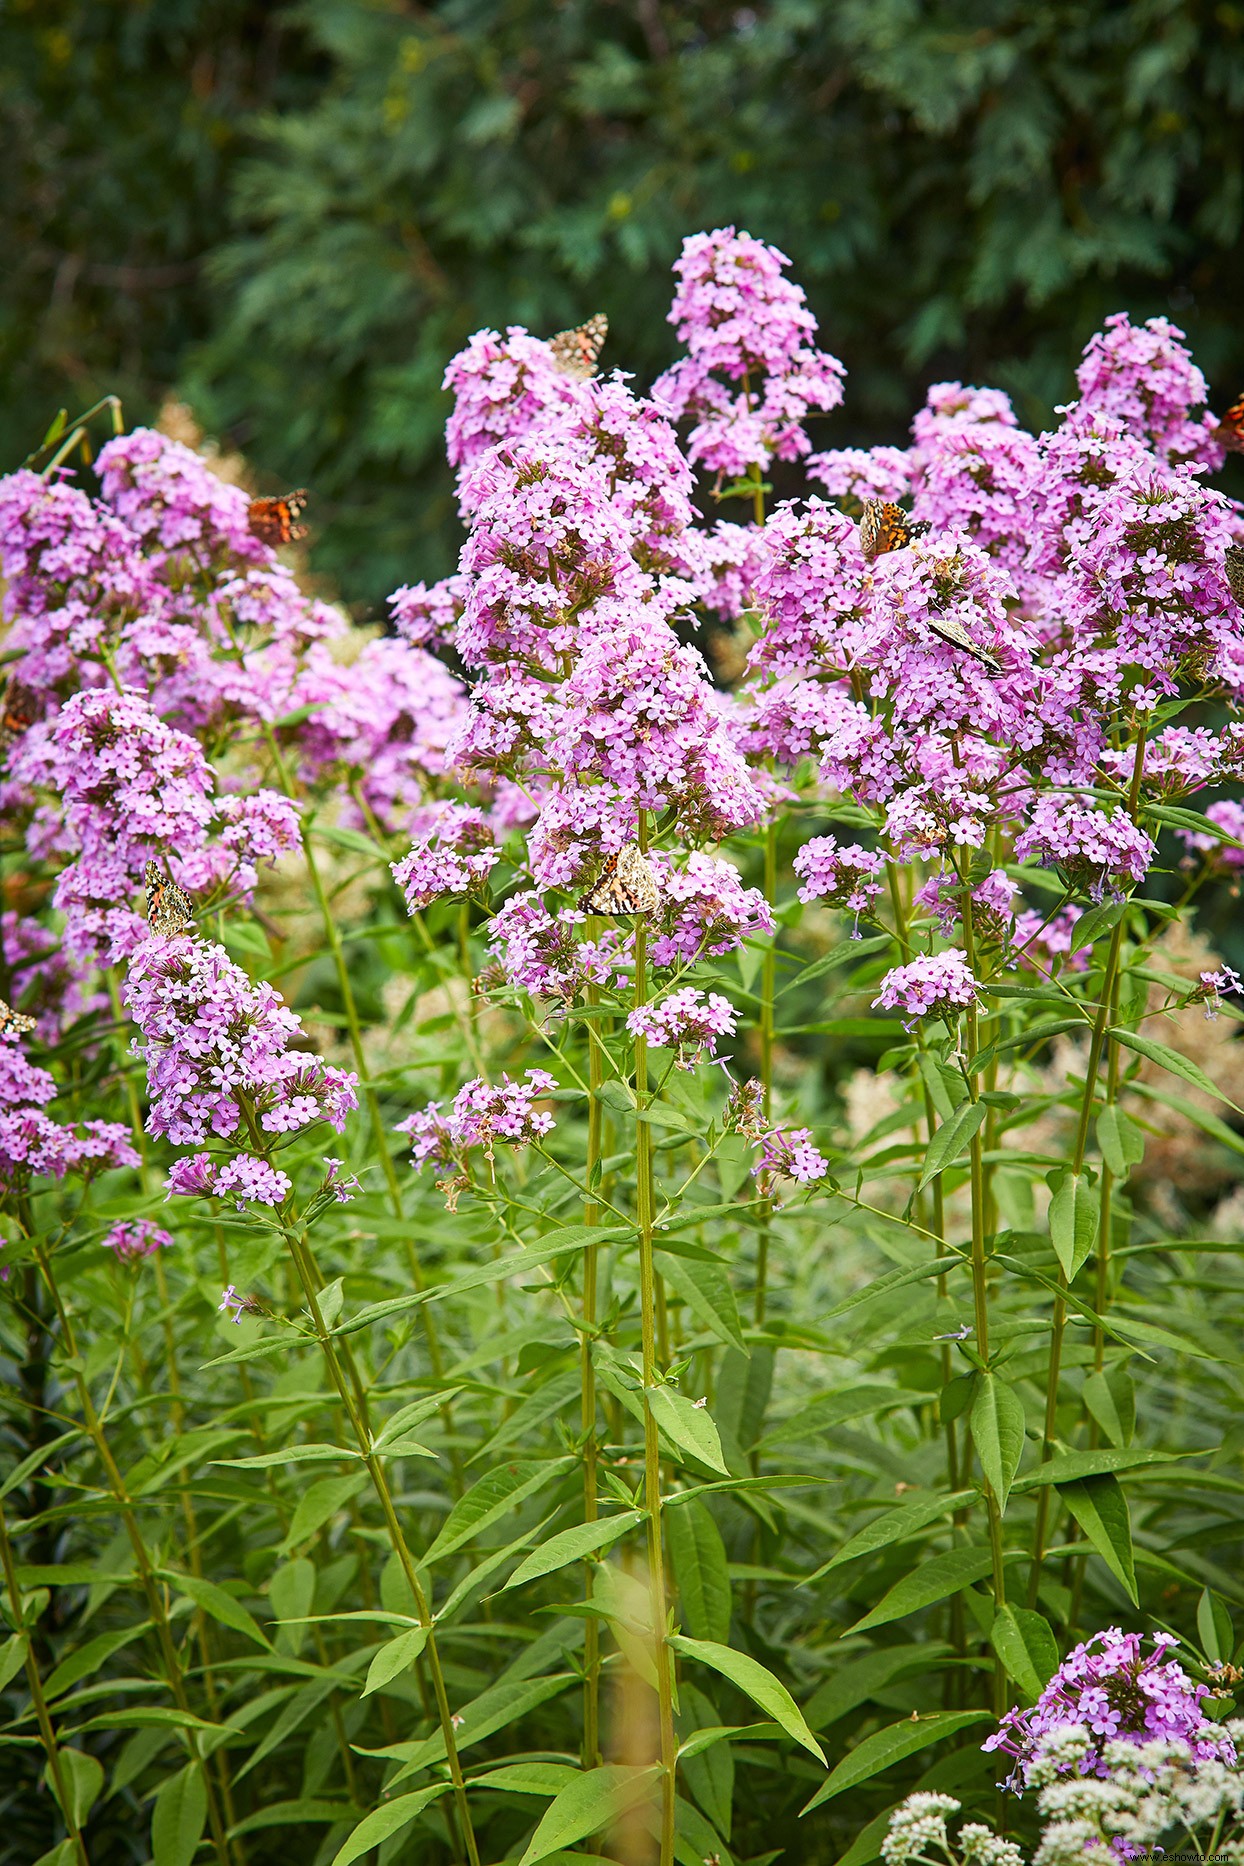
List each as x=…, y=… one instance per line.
x=646, y=1214
x=146, y=1571
x=587, y=1375
x=47, y=1732
x=1097, y=1042
x=304, y=1265
x=768, y=974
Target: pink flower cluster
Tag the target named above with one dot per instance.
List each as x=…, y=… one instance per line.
x=1110, y=1687
x=217, y=1050
x=688, y=1021
x=752, y=373
x=789, y=1153
x=131, y=1242
x=843, y=875
x=33, y=1144
x=481, y=1114
x=938, y=984
x=453, y=855
x=244, y=1179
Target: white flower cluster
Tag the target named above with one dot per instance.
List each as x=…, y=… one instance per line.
x=1149, y=1792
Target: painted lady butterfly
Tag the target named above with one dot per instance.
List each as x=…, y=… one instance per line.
x=1230, y=430
x=13, y=1020
x=884, y=527
x=577, y=351
x=275, y=521
x=626, y=885
x=169, y=911
x=17, y=713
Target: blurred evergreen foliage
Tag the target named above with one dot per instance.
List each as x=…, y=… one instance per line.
x=295, y=215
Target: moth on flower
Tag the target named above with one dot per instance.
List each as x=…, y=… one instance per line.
x=627, y=885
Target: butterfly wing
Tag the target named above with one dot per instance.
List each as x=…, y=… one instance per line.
x=15, y=1021
x=169, y=911
x=1230, y=430
x=275, y=521
x=884, y=526
x=626, y=885
x=576, y=352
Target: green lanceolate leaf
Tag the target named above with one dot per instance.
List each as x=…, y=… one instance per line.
x=858, y=1679
x=1075, y=1211
x=998, y=1432
x=950, y=1140
x=1172, y=1062
x=756, y=1681
x=701, y=1571
x=394, y=1658
x=1023, y=1641
x=572, y=1545
x=1100, y=1508
x=706, y=1290
x=592, y=1801
x=935, y=1579
x=494, y=1496
x=1122, y=1140
x=688, y=1427
x=179, y=1817
x=390, y=1818
x=1110, y=1396
x=895, y=1525
x=1214, y=1628
x=894, y=1744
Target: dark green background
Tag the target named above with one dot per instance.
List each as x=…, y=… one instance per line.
x=294, y=215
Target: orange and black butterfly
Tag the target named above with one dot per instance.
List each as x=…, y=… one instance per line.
x=169, y=911
x=1233, y=564
x=1230, y=430
x=884, y=527
x=275, y=521
x=576, y=352
x=626, y=885
x=17, y=713
x=16, y=1021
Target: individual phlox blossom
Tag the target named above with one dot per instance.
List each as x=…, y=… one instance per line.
x=73, y=574
x=1099, y=852
x=341, y=1186
x=1039, y=941
x=539, y=951
x=744, y=324
x=503, y=388
x=789, y=1153
x=130, y=782
x=1227, y=816
x=942, y=896
x=1214, y=986
x=939, y=984
x=133, y=1240
x=481, y=1114
x=244, y=1179
x=811, y=588
x=862, y=473
x=217, y=1049
x=689, y=1021
x=454, y=855
x=1116, y=1692
x=842, y=875
x=724, y=562
x=426, y=615
x=1142, y=376
x=639, y=712
x=704, y=911
x=169, y=498
x=548, y=564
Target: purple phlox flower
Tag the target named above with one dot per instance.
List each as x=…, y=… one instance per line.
x=935, y=985
x=751, y=373
x=862, y=473
x=705, y=910
x=1227, y=816
x=1213, y=987
x=1143, y=377
x=789, y=1153
x=1100, y=852
x=170, y=499
x=133, y=1240
x=1038, y=941
x=482, y=1113
x=577, y=825
x=217, y=1049
x=688, y=1021
x=242, y=1178
x=1110, y=1688
x=427, y=616
x=504, y=387
x=33, y=1144
x=991, y=899
x=343, y=1187
x=725, y=563
x=841, y=875
x=539, y=951
x=453, y=855
x=811, y=585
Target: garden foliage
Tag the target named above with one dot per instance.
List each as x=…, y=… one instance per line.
x=473, y=1394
